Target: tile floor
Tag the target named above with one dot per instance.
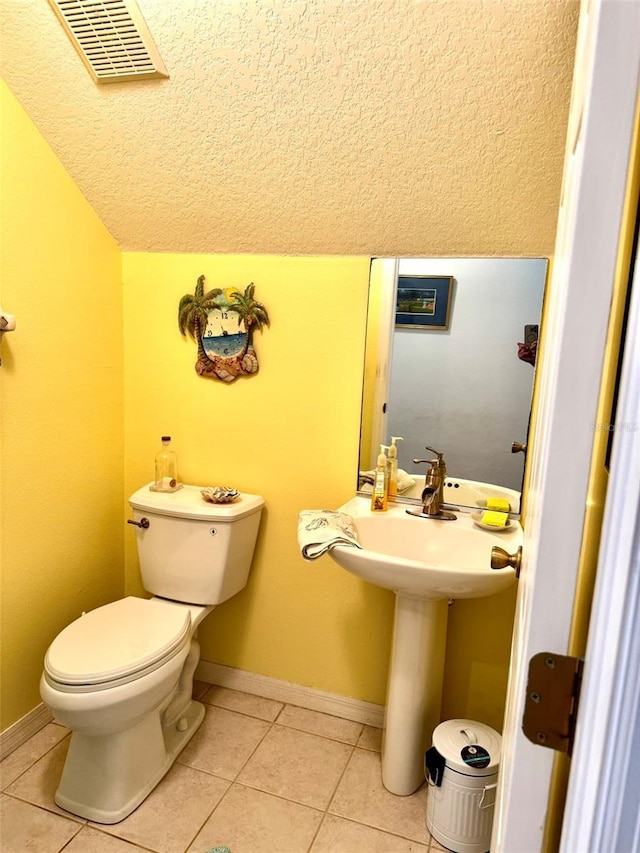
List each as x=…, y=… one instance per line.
x=258, y=777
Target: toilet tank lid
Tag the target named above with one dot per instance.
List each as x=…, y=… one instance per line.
x=188, y=502
x=116, y=640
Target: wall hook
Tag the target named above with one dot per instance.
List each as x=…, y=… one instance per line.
x=7, y=324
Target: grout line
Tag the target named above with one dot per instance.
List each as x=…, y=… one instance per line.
x=35, y=761
x=255, y=749
x=276, y=720
x=236, y=710
x=220, y=801
x=105, y=834
x=335, y=791
x=234, y=781
x=73, y=837
x=72, y=818
x=426, y=843
x=273, y=724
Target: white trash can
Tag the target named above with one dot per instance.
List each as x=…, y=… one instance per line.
x=462, y=771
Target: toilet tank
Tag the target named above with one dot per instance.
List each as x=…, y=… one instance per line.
x=194, y=551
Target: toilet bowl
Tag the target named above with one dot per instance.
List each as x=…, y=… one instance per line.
x=131, y=711
x=121, y=676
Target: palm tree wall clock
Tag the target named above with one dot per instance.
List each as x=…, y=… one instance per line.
x=222, y=323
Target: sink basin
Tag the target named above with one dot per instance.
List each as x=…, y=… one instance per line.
x=425, y=558
x=425, y=562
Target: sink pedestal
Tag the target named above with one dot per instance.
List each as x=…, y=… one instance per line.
x=414, y=690
x=425, y=563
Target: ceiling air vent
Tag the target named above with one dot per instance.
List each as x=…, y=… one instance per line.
x=112, y=38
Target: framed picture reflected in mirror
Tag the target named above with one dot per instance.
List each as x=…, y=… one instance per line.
x=424, y=302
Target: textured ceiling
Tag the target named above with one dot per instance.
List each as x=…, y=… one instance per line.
x=389, y=127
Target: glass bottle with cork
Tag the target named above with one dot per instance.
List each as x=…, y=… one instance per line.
x=166, y=464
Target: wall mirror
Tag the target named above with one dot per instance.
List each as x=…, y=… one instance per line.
x=465, y=389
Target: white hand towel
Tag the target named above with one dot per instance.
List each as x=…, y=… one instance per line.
x=319, y=530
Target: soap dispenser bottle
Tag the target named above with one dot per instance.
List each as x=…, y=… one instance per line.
x=380, y=484
x=166, y=464
x=393, y=468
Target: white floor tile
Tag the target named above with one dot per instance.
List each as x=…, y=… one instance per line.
x=169, y=819
x=362, y=797
x=249, y=821
x=338, y=834
x=296, y=765
x=29, y=829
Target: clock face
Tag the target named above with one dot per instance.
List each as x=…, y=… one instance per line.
x=222, y=322
x=223, y=335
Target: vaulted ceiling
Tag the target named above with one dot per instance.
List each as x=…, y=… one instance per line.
x=396, y=127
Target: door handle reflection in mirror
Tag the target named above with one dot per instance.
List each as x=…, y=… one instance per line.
x=516, y=447
x=144, y=523
x=500, y=559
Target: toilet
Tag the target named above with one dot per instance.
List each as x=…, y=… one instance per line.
x=121, y=676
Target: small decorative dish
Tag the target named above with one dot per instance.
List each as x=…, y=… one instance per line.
x=219, y=494
x=476, y=517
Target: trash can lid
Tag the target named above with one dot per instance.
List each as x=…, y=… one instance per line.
x=468, y=747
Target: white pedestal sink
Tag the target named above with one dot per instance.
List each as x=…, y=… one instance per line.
x=425, y=562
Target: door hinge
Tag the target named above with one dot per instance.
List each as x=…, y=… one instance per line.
x=551, y=705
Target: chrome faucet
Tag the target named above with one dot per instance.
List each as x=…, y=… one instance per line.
x=432, y=492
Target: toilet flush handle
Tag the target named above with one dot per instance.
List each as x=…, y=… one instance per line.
x=144, y=522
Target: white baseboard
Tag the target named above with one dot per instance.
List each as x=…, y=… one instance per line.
x=235, y=679
x=293, y=694
x=23, y=729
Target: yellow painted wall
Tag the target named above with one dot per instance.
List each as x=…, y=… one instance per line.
x=61, y=410
x=289, y=433
x=477, y=658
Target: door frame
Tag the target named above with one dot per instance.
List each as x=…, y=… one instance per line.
x=603, y=800
x=384, y=272
x=572, y=347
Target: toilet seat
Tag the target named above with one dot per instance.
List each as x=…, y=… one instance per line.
x=117, y=643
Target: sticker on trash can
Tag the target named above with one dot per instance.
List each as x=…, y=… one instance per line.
x=475, y=756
